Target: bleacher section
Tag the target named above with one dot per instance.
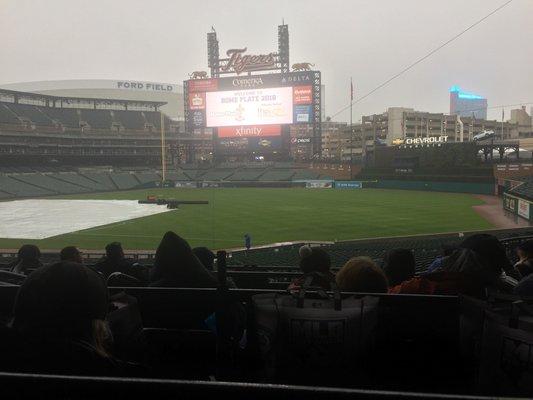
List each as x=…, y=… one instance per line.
x=247, y=174
x=7, y=116
x=97, y=119
x=101, y=178
x=80, y=180
x=49, y=183
x=130, y=120
x=21, y=189
x=32, y=113
x=217, y=174
x=124, y=180
x=147, y=177
x=277, y=175
x=177, y=176
x=67, y=117
x=305, y=174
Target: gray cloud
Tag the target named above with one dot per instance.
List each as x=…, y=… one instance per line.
x=163, y=40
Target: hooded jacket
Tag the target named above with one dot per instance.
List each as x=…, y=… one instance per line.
x=176, y=265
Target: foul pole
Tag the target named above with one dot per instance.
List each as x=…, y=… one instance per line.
x=163, y=158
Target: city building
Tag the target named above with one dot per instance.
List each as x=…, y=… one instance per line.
x=467, y=104
x=401, y=125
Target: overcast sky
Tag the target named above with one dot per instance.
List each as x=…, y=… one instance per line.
x=369, y=40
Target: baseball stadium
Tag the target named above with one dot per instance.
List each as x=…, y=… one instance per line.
x=228, y=239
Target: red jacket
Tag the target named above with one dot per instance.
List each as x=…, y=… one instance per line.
x=443, y=283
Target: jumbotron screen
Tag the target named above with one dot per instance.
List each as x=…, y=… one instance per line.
x=249, y=107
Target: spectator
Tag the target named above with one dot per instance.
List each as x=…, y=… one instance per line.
x=314, y=260
x=399, y=266
x=361, y=274
x=206, y=257
x=59, y=324
x=115, y=261
x=176, y=265
x=247, y=241
x=27, y=260
x=524, y=251
x=447, y=249
x=476, y=266
x=72, y=254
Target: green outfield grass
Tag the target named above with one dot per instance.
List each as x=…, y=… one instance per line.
x=276, y=215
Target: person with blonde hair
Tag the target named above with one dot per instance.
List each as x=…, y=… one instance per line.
x=361, y=274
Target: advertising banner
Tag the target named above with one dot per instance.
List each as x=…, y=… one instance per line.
x=203, y=85
x=258, y=144
x=249, y=131
x=523, y=208
x=318, y=184
x=302, y=94
x=348, y=185
x=198, y=119
x=249, y=107
x=197, y=101
x=302, y=114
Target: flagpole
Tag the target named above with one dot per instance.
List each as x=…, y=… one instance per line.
x=502, y=121
x=351, y=129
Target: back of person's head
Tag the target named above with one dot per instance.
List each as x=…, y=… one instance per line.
x=114, y=251
x=70, y=253
x=206, y=257
x=60, y=303
x=361, y=274
x=490, y=251
x=526, y=248
x=176, y=264
x=314, y=259
x=29, y=253
x=399, y=265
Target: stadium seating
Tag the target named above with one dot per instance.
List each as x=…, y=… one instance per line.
x=80, y=180
x=7, y=116
x=32, y=113
x=124, y=180
x=277, y=175
x=217, y=174
x=147, y=177
x=101, y=178
x=19, y=188
x=305, y=174
x=133, y=120
x=247, y=174
x=68, y=117
x=49, y=183
x=177, y=176
x=154, y=118
x=97, y=119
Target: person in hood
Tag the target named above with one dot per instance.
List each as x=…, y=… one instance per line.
x=59, y=324
x=399, y=265
x=175, y=265
x=477, y=265
x=28, y=260
x=316, y=261
x=115, y=261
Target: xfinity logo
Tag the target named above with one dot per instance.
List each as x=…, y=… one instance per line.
x=243, y=131
x=247, y=82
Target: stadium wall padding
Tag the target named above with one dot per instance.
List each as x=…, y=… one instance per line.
x=455, y=187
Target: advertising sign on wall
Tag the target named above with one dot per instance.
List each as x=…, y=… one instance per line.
x=523, y=208
x=348, y=185
x=249, y=131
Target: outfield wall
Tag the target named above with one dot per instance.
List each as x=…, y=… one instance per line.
x=518, y=206
x=454, y=187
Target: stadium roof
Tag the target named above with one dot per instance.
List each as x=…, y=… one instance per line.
x=47, y=98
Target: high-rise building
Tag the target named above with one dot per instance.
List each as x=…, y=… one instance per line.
x=467, y=104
